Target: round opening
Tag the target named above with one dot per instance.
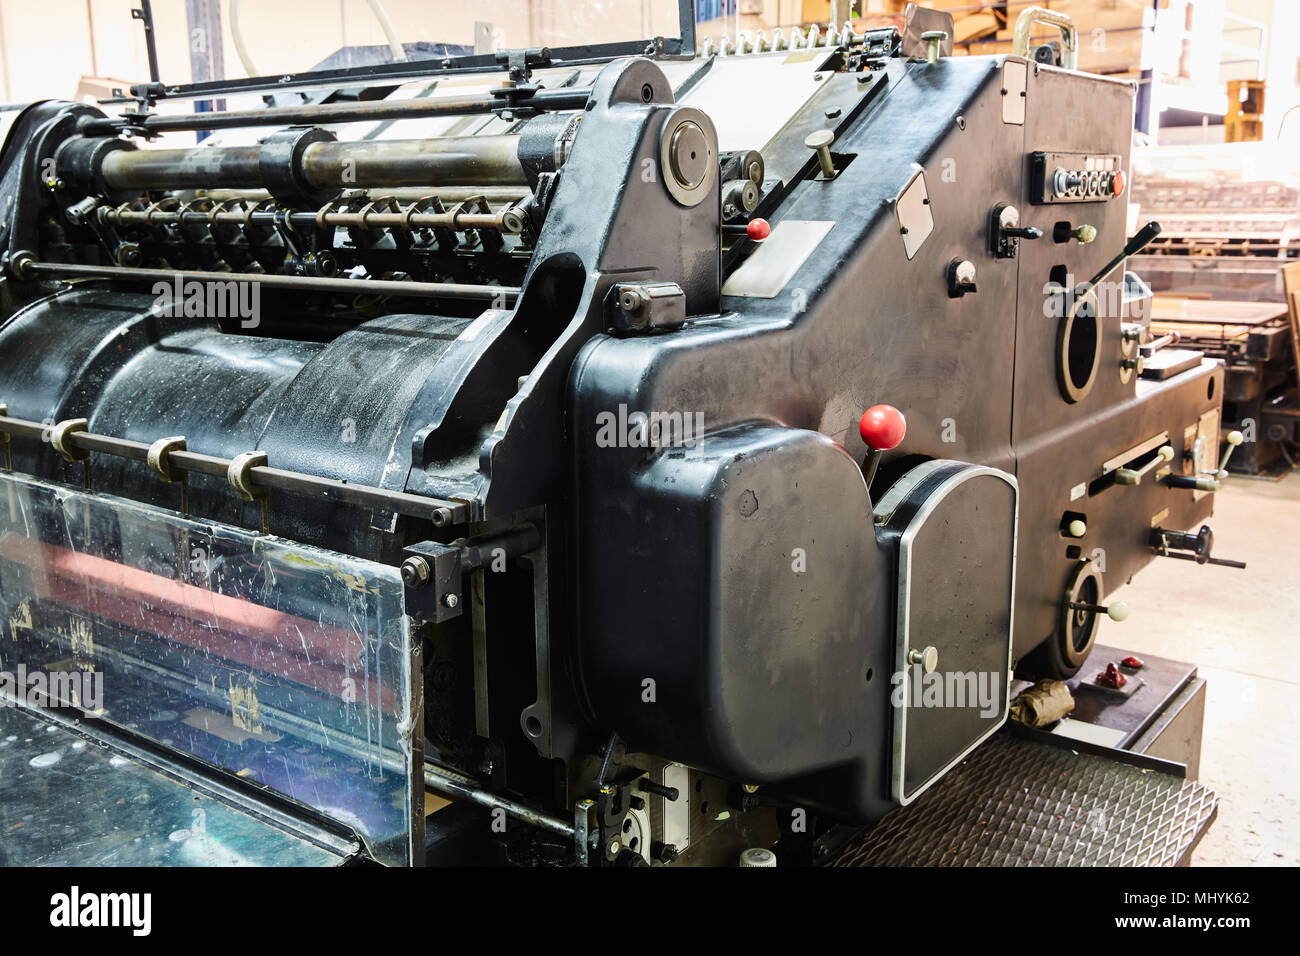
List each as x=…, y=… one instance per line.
x=533, y=726
x=647, y=93
x=1078, y=350
x=1082, y=348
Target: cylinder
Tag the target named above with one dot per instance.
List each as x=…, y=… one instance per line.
x=182, y=168
x=451, y=160
x=447, y=161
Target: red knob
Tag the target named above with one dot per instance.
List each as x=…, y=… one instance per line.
x=758, y=229
x=882, y=427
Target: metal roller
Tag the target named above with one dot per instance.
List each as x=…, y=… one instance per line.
x=453, y=160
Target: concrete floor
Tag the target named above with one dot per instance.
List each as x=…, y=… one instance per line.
x=1243, y=629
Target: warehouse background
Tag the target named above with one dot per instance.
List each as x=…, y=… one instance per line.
x=1185, y=51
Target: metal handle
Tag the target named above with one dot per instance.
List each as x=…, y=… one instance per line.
x=1134, y=476
x=1069, y=34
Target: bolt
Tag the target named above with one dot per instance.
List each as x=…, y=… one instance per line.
x=664, y=852
x=833, y=112
x=821, y=142
x=933, y=39
x=631, y=300
x=451, y=600
x=415, y=572
x=614, y=847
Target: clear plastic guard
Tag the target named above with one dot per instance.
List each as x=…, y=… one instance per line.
x=282, y=664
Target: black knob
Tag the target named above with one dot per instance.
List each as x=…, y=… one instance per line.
x=646, y=785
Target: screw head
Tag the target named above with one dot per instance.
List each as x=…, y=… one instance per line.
x=451, y=600
x=927, y=657
x=819, y=139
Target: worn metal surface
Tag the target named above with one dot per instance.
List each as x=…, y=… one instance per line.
x=66, y=801
x=1017, y=803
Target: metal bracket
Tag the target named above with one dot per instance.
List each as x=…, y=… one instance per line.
x=59, y=439
x=434, y=573
x=645, y=306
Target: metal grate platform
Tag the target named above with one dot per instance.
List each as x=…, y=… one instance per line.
x=1015, y=802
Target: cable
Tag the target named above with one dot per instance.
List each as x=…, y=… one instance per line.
x=249, y=67
x=386, y=25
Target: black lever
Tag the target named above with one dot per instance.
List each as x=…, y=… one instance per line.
x=1197, y=547
x=1135, y=245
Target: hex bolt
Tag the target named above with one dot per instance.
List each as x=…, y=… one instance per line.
x=415, y=572
x=450, y=600
x=821, y=140
x=933, y=39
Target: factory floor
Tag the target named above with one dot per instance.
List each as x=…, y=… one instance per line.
x=1241, y=628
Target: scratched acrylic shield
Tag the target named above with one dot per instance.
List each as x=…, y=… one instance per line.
x=285, y=665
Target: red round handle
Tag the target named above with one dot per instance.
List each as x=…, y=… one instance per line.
x=882, y=427
x=758, y=229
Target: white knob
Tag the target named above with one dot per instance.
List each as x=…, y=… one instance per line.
x=927, y=657
x=1117, y=611
x=1077, y=528
x=1235, y=437
x=757, y=856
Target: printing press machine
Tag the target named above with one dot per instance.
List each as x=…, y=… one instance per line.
x=549, y=457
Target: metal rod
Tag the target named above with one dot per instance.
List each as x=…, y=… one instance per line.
x=390, y=287
x=441, y=512
x=348, y=112
x=310, y=220
x=145, y=16
x=493, y=194
x=448, y=781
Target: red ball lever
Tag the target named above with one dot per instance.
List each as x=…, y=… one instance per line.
x=882, y=427
x=758, y=229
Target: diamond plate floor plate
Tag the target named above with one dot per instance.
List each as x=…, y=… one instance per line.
x=1015, y=802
